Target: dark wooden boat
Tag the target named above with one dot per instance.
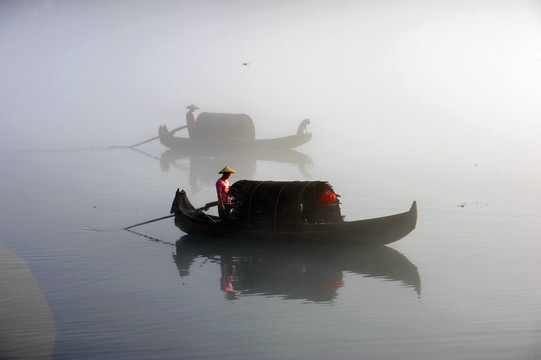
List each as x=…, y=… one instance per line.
x=305, y=211
x=228, y=132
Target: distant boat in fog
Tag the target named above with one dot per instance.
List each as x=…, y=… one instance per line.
x=217, y=132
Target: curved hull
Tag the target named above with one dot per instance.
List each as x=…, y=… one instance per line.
x=211, y=147
x=377, y=231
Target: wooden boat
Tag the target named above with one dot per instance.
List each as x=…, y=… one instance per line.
x=229, y=132
x=304, y=211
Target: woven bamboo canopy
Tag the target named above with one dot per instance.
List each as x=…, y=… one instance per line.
x=217, y=127
x=282, y=205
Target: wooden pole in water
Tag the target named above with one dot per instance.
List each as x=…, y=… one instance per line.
x=206, y=207
x=149, y=221
x=157, y=137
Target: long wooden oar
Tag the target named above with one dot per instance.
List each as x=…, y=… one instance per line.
x=157, y=137
x=149, y=221
x=203, y=208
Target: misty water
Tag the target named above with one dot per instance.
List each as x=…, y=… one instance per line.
x=432, y=103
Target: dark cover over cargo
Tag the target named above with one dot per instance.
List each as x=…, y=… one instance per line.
x=282, y=204
x=220, y=127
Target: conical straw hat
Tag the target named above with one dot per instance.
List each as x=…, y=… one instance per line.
x=192, y=107
x=227, y=169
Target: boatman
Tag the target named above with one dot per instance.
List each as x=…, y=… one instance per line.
x=222, y=188
x=190, y=120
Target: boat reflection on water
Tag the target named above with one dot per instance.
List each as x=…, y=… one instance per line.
x=203, y=167
x=292, y=271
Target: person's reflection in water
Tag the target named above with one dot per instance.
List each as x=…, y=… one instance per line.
x=293, y=271
x=227, y=278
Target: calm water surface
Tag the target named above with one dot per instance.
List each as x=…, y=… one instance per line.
x=465, y=284
x=433, y=101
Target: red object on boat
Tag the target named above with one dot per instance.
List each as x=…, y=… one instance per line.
x=327, y=197
x=332, y=285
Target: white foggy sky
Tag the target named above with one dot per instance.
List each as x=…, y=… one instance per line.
x=110, y=72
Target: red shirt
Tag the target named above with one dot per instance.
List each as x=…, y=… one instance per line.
x=222, y=188
x=190, y=121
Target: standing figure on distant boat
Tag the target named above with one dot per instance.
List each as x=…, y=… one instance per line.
x=190, y=121
x=222, y=188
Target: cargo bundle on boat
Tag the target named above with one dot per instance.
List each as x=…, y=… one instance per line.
x=216, y=132
x=289, y=211
x=217, y=127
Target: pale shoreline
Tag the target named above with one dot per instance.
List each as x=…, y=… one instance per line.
x=28, y=330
